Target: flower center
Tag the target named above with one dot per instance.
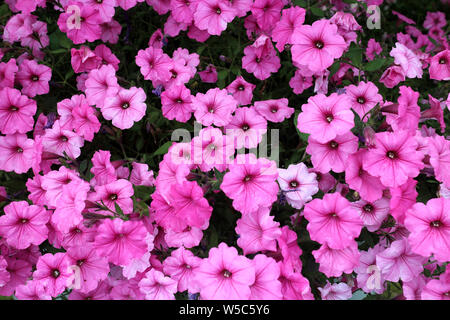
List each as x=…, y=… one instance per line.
x=247, y=178
x=257, y=60
x=126, y=105
x=226, y=273
x=23, y=221
x=80, y=262
x=274, y=109
x=64, y=139
x=319, y=44
x=113, y=197
x=174, y=74
x=368, y=208
x=361, y=100
x=19, y=150
x=293, y=184
x=436, y=224
x=179, y=101
x=218, y=11
x=334, y=144
x=13, y=108
x=35, y=78
x=245, y=127
x=442, y=61
x=333, y=214
x=391, y=155
x=241, y=88
x=56, y=273
x=329, y=118
x=99, y=1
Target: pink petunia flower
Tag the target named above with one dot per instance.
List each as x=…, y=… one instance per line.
x=333, y=221
x=121, y=241
x=266, y=285
x=101, y=84
x=24, y=224
x=53, y=272
x=392, y=76
x=117, y=192
x=326, y=117
x=267, y=13
x=176, y=103
x=408, y=60
x=181, y=266
x=246, y=128
x=125, y=108
x=430, y=228
x=16, y=153
x=225, y=275
x=440, y=66
x=369, y=276
x=259, y=62
x=8, y=72
x=394, y=158
x=257, y=231
x=317, y=45
x=213, y=16
x=291, y=19
x=86, y=28
x=363, y=97
x=333, y=154
x=372, y=213
x=275, y=110
x=251, y=183
x=336, y=291
x=241, y=90
x=84, y=59
x=156, y=286
x=301, y=80
x=439, y=149
x=398, y=262
x=16, y=111
x=58, y=140
x=373, y=47
x=209, y=75
x=298, y=184
x=214, y=107
x=335, y=262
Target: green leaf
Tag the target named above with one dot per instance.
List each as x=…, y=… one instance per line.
x=317, y=11
x=374, y=65
x=222, y=74
x=355, y=54
x=334, y=68
x=163, y=149
x=118, y=209
x=301, y=3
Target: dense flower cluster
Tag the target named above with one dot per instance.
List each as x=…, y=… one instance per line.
x=97, y=202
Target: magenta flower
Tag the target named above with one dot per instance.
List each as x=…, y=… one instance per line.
x=267, y=12
x=266, y=285
x=335, y=262
x=291, y=19
x=34, y=78
x=403, y=198
x=336, y=291
x=90, y=267
x=213, y=16
x=332, y=155
x=181, y=266
x=246, y=128
x=16, y=153
x=32, y=290
x=301, y=81
x=176, y=103
x=58, y=140
x=101, y=84
x=154, y=64
x=439, y=149
x=225, y=275
x=241, y=90
x=89, y=24
x=373, y=47
x=260, y=63
x=408, y=60
x=118, y=192
x=317, y=46
x=369, y=277
x=394, y=158
x=24, y=225
x=372, y=213
x=392, y=76
x=440, y=66
x=125, y=108
x=251, y=183
x=298, y=184
x=257, y=231
x=121, y=241
x=333, y=221
x=368, y=186
x=214, y=107
x=430, y=228
x=84, y=59
x=8, y=72
x=398, y=262
x=156, y=286
x=53, y=272
x=436, y=290
x=209, y=75
x=16, y=111
x=326, y=117
x=363, y=97
x=275, y=110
